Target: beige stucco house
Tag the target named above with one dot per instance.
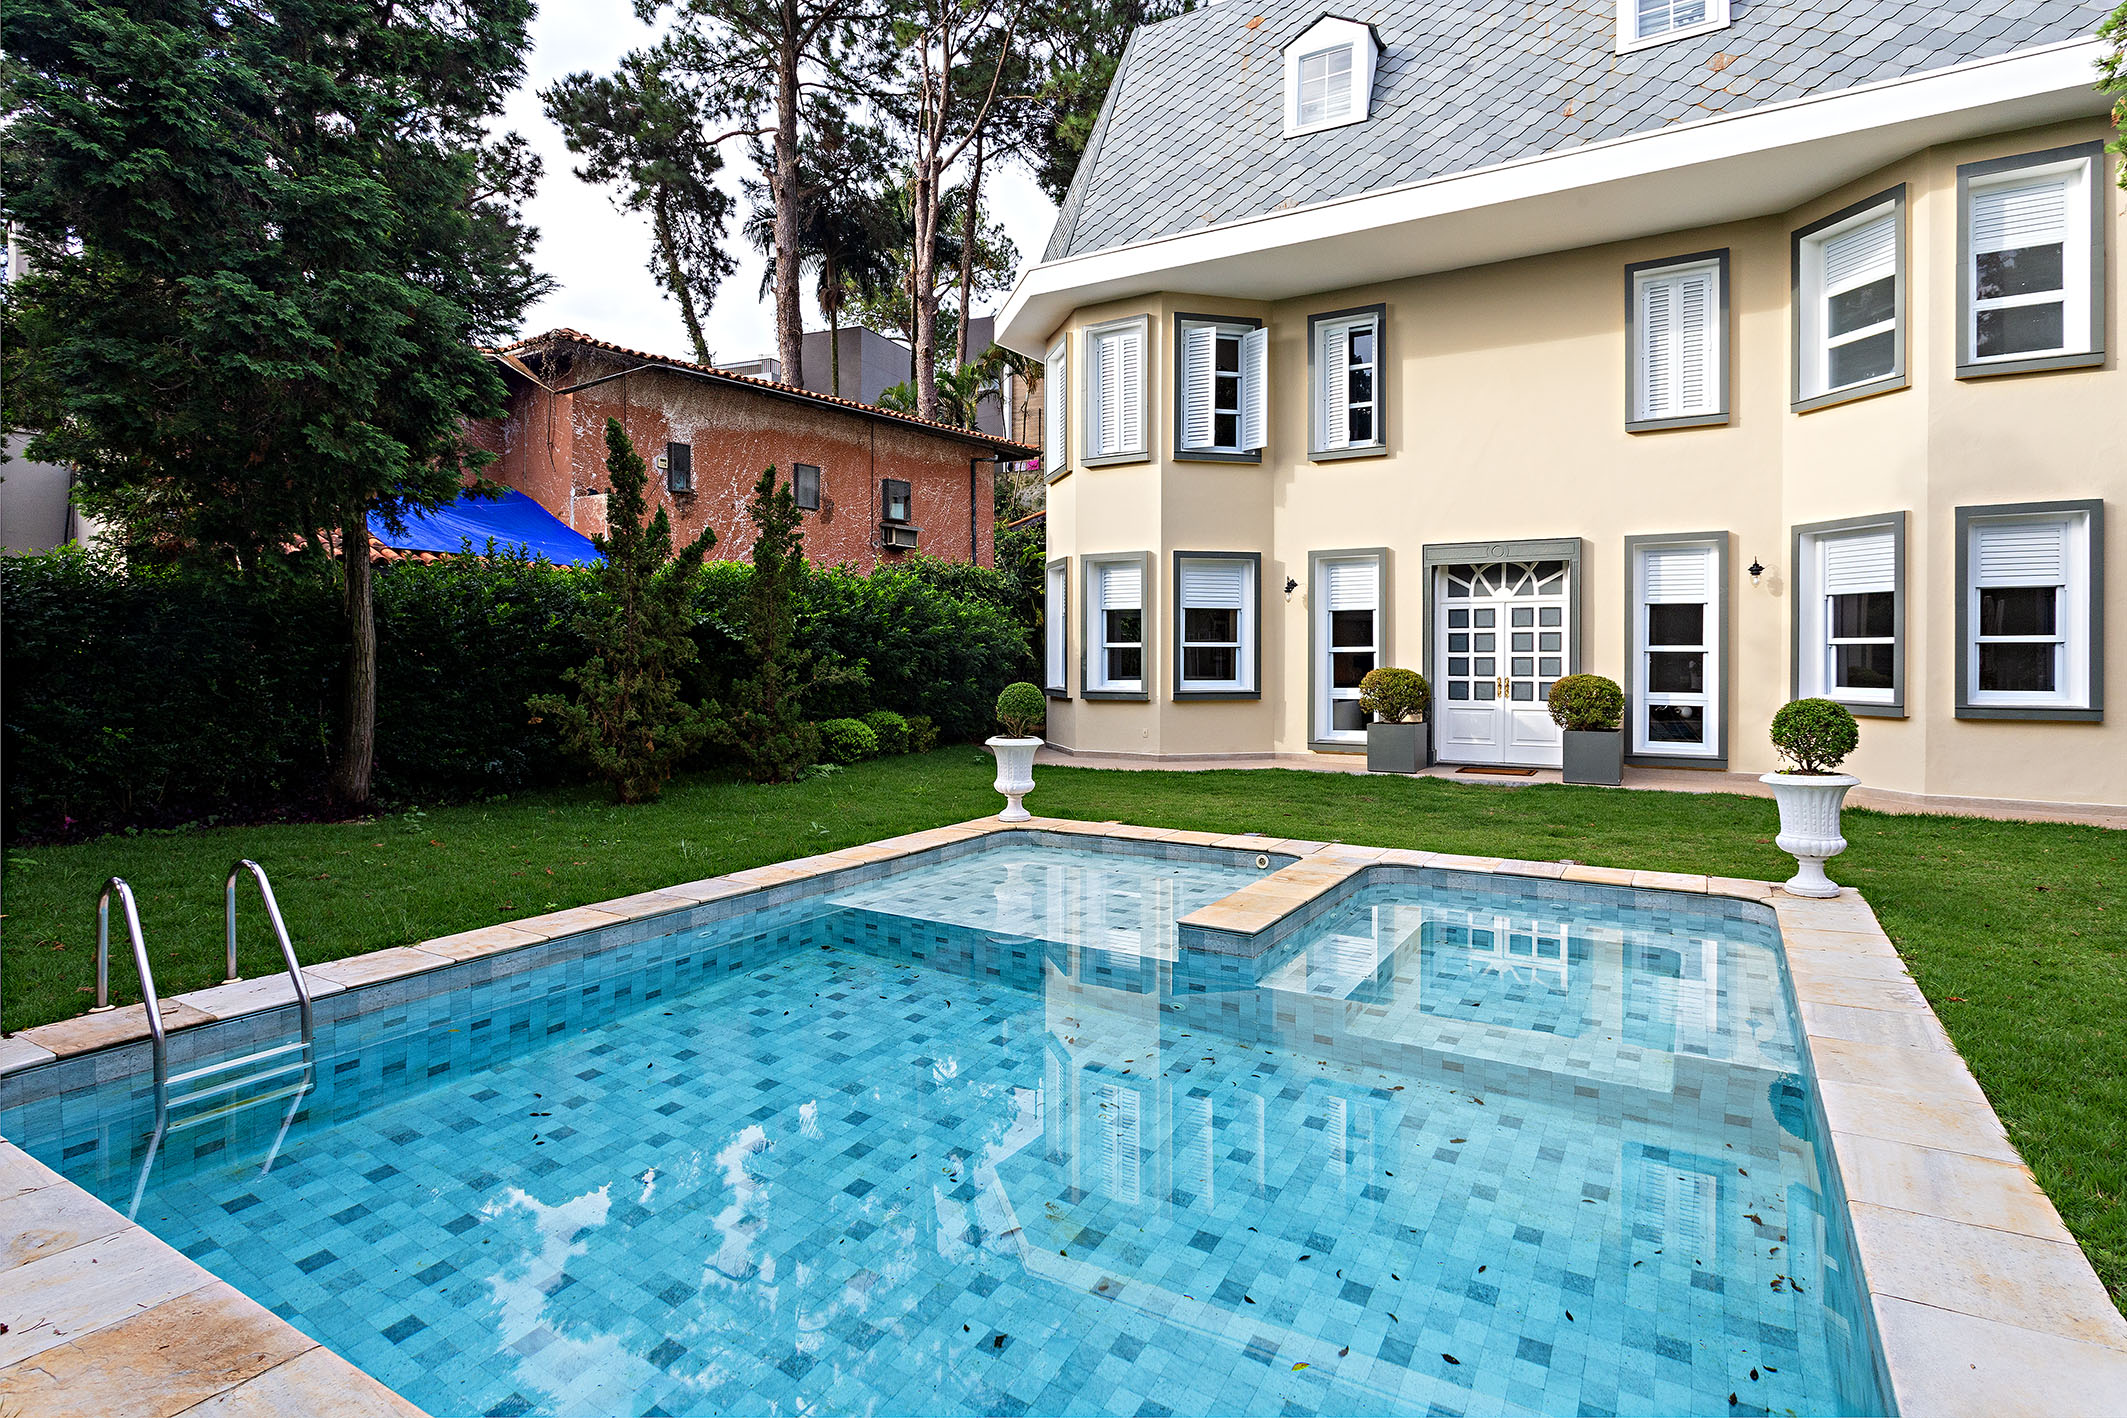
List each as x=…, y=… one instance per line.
x=1736, y=352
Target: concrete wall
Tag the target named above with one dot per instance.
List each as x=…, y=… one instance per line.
x=1505, y=387
x=553, y=450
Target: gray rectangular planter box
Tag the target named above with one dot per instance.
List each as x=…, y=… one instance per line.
x=1596, y=757
x=1394, y=748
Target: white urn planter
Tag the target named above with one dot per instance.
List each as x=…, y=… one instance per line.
x=1015, y=775
x=1809, y=825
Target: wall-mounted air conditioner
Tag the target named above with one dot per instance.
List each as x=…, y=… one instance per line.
x=899, y=536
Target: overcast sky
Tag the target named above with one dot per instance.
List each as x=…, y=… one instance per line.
x=599, y=256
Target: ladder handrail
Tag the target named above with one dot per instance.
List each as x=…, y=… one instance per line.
x=140, y=963
x=280, y=934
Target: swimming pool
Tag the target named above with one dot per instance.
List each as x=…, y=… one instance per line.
x=998, y=1131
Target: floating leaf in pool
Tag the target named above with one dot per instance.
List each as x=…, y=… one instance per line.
x=1452, y=1359
x=1345, y=1352
x=1753, y=1216
x=1307, y=1257
x=1753, y=1375
x=1569, y=1314
x=1299, y=1366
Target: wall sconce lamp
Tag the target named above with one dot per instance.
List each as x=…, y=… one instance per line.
x=1290, y=587
x=1757, y=569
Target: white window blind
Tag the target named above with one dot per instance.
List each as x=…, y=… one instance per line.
x=1861, y=254
x=2020, y=554
x=1214, y=585
x=2012, y=216
x=1119, y=391
x=1255, y=391
x=1199, y=351
x=1055, y=621
x=1055, y=408
x=1856, y=565
x=1122, y=586
x=1677, y=573
x=1353, y=585
x=1679, y=350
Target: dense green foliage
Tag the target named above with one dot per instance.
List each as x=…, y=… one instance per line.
x=207, y=696
x=846, y=740
x=1022, y=708
x=1393, y=694
x=629, y=720
x=2012, y=929
x=1815, y=735
x=889, y=728
x=1587, y=703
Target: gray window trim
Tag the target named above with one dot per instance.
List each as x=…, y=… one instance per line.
x=1255, y=664
x=1802, y=532
x=1057, y=691
x=1089, y=398
x=1723, y=618
x=2094, y=711
x=1379, y=447
x=1632, y=343
x=1314, y=560
x=1205, y=455
x=1087, y=563
x=1967, y=367
x=1900, y=376
x=1438, y=554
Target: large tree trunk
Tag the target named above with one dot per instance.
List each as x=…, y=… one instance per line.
x=969, y=230
x=358, y=707
x=923, y=280
x=673, y=276
x=789, y=316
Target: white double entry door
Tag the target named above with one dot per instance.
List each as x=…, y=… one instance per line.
x=1500, y=640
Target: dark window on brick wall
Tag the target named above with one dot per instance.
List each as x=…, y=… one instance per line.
x=679, y=467
x=899, y=505
x=805, y=486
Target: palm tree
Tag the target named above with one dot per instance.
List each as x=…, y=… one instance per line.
x=846, y=239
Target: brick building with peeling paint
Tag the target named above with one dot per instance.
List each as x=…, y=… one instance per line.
x=874, y=485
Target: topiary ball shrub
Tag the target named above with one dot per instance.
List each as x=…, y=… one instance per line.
x=1393, y=695
x=1815, y=735
x=846, y=740
x=1021, y=709
x=922, y=733
x=1587, y=704
x=890, y=729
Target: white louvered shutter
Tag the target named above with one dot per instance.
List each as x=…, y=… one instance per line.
x=1199, y=346
x=2016, y=215
x=1131, y=434
x=1865, y=253
x=1055, y=621
x=1679, y=349
x=1677, y=574
x=1122, y=586
x=1657, y=338
x=1697, y=350
x=1213, y=585
x=1353, y=585
x=1055, y=408
x=2020, y=554
x=1336, y=386
x=1108, y=395
x=1855, y=565
x=1255, y=389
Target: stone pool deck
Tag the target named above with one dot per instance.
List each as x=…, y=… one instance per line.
x=1984, y=1303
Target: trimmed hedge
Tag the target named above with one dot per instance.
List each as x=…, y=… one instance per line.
x=847, y=740
x=148, y=697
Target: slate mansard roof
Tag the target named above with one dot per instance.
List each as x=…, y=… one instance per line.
x=1192, y=132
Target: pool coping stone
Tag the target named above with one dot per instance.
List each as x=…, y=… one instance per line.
x=1965, y=1258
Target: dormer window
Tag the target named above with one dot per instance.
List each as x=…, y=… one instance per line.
x=1644, y=22
x=1329, y=75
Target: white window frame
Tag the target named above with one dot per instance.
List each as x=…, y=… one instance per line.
x=2081, y=293
x=1321, y=38
x=1056, y=628
x=1196, y=387
x=1322, y=694
x=1056, y=409
x=2077, y=657
x=1673, y=280
x=1328, y=366
x=1245, y=647
x=1815, y=646
x=1630, y=37
x=1813, y=347
x=1640, y=696
x=1093, y=677
x=1116, y=430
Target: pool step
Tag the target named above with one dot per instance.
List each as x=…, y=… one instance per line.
x=299, y=1065
x=228, y=1065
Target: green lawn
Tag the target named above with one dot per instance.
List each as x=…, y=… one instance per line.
x=2017, y=932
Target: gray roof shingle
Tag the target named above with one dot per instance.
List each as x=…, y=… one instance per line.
x=1191, y=134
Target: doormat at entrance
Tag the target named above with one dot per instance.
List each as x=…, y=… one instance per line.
x=1487, y=772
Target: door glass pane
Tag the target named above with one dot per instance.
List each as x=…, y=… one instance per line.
x=1458, y=690
x=2018, y=329
x=1486, y=618
x=2017, y=610
x=1863, y=306
x=1672, y=673
x=1550, y=615
x=1861, y=666
x=1523, y=615
x=2024, y=271
x=1206, y=662
x=1550, y=640
x=1486, y=665
x=1345, y=715
x=1523, y=665
x=2016, y=669
x=1863, y=616
x=1458, y=664
x=1552, y=665
x=1351, y=627
x=1126, y=664
x=1524, y=641
x=1459, y=644
x=1458, y=620
x=1524, y=689
x=1871, y=358
x=1676, y=624
x=1199, y=623
x=1484, y=688
x=1348, y=667
x=1676, y=723
x=1487, y=642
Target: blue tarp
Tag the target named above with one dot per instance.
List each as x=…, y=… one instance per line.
x=511, y=521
